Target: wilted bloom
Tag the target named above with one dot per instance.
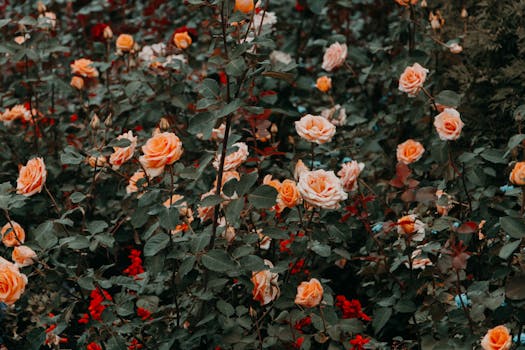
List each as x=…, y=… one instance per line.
x=280, y=57
x=336, y=115
x=32, y=177
x=418, y=263
x=412, y=79
x=15, y=113
x=334, y=56
x=448, y=124
x=315, y=128
x=13, y=234
x=497, y=338
x=265, y=285
x=97, y=161
x=309, y=294
x=264, y=241
x=410, y=225
x=455, y=48
x=349, y=174
x=23, y=256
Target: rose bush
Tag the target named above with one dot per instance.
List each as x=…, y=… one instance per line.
x=239, y=174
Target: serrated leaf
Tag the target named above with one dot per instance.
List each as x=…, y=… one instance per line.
x=210, y=89
x=236, y=67
x=155, y=244
x=263, y=197
x=448, y=98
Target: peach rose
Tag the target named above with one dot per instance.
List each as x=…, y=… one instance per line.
x=233, y=160
x=83, y=68
x=97, y=161
x=227, y=176
x=12, y=282
x=448, y=124
x=32, y=177
x=264, y=241
x=321, y=188
x=497, y=338
x=122, y=154
x=409, y=151
x=334, y=56
x=125, y=42
x=324, y=83
x=205, y=213
x=13, y=235
x=265, y=285
x=132, y=185
x=410, y=225
x=245, y=6
x=182, y=40
x=160, y=150
x=269, y=181
x=412, y=79
x=299, y=169
x=77, y=83
x=406, y=2
x=174, y=201
x=309, y=294
x=23, y=256
x=349, y=174
x=517, y=175
x=288, y=196
x=315, y=128
x=16, y=112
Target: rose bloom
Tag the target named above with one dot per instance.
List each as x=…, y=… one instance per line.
x=349, y=174
x=227, y=176
x=412, y=79
x=14, y=235
x=233, y=160
x=315, y=128
x=125, y=42
x=321, y=188
x=97, y=162
x=264, y=241
x=409, y=151
x=334, y=56
x=497, y=338
x=268, y=181
x=132, y=185
x=205, y=213
x=77, y=83
x=455, y=48
x=245, y=6
x=12, y=282
x=160, y=150
x=32, y=177
x=517, y=175
x=418, y=263
x=265, y=285
x=299, y=169
x=23, y=256
x=406, y=2
x=182, y=40
x=83, y=68
x=122, y=154
x=336, y=115
x=288, y=196
x=448, y=124
x=324, y=83
x=309, y=294
x=17, y=112
x=410, y=225
x=174, y=201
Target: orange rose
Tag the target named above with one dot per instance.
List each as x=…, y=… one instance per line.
x=233, y=160
x=77, y=83
x=321, y=188
x=349, y=174
x=13, y=235
x=324, y=83
x=132, y=185
x=162, y=149
x=314, y=128
x=497, y=338
x=334, y=56
x=272, y=182
x=410, y=225
x=288, y=196
x=448, y=124
x=12, y=282
x=32, y=177
x=182, y=40
x=409, y=151
x=173, y=200
x=265, y=285
x=205, y=213
x=125, y=42
x=309, y=294
x=245, y=6
x=98, y=161
x=517, y=175
x=406, y=2
x=17, y=112
x=412, y=79
x=23, y=256
x=83, y=68
x=122, y=154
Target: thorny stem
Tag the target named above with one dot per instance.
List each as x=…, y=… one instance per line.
x=57, y=208
x=430, y=97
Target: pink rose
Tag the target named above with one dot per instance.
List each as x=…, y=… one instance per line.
x=334, y=56
x=412, y=79
x=349, y=174
x=448, y=124
x=315, y=128
x=233, y=160
x=321, y=188
x=122, y=154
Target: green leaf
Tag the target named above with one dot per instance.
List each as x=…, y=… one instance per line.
x=229, y=108
x=448, y=98
x=513, y=142
x=263, y=197
x=202, y=123
x=225, y=308
x=494, y=156
x=155, y=244
x=210, y=89
x=218, y=261
x=321, y=249
x=253, y=263
x=233, y=210
x=70, y=156
x=4, y=22
x=381, y=317
x=186, y=266
x=236, y=67
x=316, y=5
x=509, y=248
x=77, y=197
x=96, y=226
x=513, y=226
x=200, y=241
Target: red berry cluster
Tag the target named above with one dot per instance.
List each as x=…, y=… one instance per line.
x=351, y=308
x=136, y=267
